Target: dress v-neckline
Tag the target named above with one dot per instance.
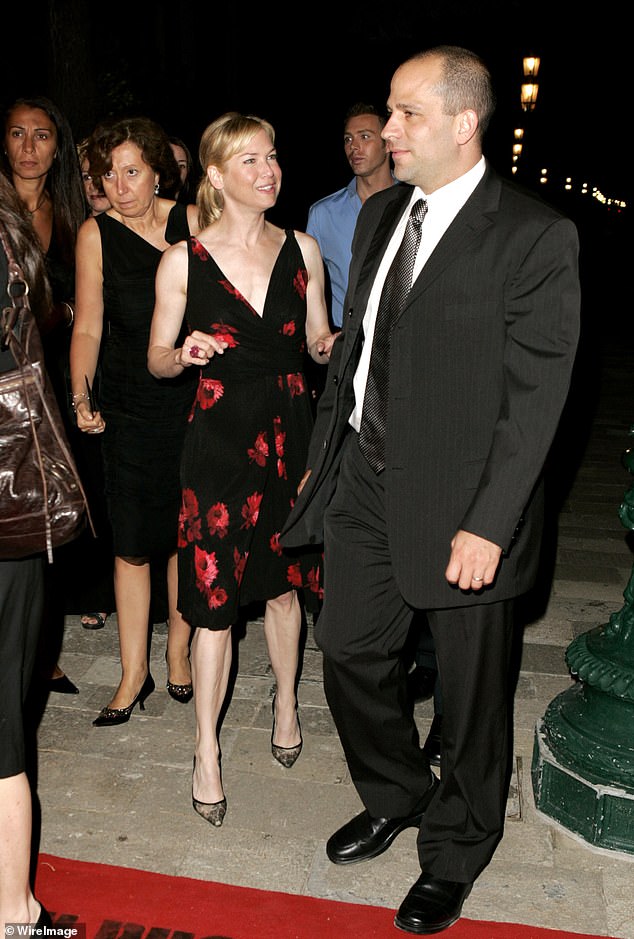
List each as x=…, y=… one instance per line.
x=137, y=235
x=237, y=292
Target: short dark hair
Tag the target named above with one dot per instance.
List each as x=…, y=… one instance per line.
x=150, y=138
x=361, y=107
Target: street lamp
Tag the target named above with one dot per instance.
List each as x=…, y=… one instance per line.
x=529, y=95
x=531, y=66
x=530, y=87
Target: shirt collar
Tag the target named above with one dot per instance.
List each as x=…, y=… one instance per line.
x=452, y=196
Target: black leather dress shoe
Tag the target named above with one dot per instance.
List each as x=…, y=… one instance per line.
x=365, y=837
x=431, y=905
x=420, y=683
x=432, y=746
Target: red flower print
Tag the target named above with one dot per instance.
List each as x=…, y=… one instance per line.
x=226, y=334
x=295, y=382
x=230, y=289
x=312, y=582
x=188, y=520
x=288, y=329
x=236, y=293
x=294, y=575
x=239, y=564
x=199, y=250
x=218, y=519
x=209, y=392
x=251, y=510
x=206, y=568
x=259, y=452
x=216, y=598
x=280, y=436
x=301, y=282
x=274, y=544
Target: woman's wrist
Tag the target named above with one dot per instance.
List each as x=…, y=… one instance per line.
x=76, y=400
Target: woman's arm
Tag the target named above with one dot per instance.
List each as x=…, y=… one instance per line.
x=319, y=338
x=88, y=325
x=164, y=360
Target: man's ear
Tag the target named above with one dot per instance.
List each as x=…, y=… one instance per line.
x=467, y=125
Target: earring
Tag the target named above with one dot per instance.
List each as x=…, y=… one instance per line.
x=156, y=190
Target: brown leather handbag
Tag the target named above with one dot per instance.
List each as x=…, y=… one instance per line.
x=42, y=500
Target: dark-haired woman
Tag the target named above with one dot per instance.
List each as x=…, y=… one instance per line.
x=40, y=159
x=143, y=420
x=21, y=609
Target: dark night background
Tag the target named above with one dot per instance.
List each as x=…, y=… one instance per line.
x=301, y=67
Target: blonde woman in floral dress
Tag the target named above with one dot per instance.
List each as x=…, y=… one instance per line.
x=251, y=296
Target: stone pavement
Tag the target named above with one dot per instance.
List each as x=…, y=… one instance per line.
x=122, y=795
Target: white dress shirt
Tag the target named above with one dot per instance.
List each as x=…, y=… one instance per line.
x=442, y=207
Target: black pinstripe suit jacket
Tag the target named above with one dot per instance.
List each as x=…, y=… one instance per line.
x=481, y=359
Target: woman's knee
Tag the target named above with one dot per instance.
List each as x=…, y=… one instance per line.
x=284, y=604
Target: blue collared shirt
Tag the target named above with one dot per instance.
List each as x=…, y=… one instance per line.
x=331, y=221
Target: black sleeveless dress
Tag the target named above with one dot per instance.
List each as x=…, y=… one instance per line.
x=245, y=445
x=145, y=417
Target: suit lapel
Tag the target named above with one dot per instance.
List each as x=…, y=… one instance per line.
x=476, y=215
x=360, y=284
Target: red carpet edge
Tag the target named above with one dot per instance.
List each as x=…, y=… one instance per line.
x=99, y=901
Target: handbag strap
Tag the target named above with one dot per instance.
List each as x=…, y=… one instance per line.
x=17, y=292
x=13, y=321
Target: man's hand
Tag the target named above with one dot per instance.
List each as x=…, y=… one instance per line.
x=473, y=561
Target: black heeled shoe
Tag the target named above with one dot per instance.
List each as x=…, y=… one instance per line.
x=62, y=685
x=108, y=716
x=285, y=756
x=180, y=693
x=212, y=812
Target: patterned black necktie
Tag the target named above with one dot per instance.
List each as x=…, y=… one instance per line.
x=398, y=284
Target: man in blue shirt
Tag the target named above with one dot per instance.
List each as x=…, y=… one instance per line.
x=331, y=220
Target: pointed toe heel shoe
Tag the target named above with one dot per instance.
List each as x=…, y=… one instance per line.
x=108, y=717
x=285, y=756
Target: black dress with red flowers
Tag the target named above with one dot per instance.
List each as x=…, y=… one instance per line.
x=245, y=445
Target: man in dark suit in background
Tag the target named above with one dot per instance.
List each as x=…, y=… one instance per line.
x=439, y=506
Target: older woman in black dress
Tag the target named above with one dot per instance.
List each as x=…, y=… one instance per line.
x=142, y=420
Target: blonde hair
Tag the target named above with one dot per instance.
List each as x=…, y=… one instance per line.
x=220, y=141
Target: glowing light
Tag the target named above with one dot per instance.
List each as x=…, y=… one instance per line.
x=531, y=65
x=529, y=96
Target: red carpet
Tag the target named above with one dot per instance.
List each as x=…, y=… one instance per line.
x=121, y=903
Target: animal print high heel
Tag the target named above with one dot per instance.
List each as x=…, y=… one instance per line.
x=285, y=756
x=212, y=812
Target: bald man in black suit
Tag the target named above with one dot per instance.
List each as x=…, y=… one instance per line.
x=449, y=520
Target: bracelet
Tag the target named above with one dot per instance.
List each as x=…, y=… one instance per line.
x=75, y=399
x=71, y=313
